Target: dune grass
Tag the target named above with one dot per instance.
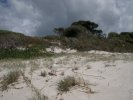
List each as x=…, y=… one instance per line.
x=24, y=54
x=65, y=84
x=8, y=79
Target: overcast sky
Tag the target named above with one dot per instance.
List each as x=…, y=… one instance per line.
x=40, y=17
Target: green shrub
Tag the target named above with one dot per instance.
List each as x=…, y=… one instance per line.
x=65, y=84
x=24, y=54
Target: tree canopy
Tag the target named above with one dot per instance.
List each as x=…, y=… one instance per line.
x=79, y=27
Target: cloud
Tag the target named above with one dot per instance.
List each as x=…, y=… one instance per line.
x=39, y=17
x=19, y=16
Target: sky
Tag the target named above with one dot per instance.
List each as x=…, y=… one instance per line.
x=40, y=17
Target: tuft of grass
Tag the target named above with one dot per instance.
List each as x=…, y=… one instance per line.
x=65, y=84
x=43, y=73
x=8, y=79
x=75, y=68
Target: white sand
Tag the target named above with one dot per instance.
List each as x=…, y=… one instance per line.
x=109, y=75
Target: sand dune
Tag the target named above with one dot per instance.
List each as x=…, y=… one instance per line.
x=103, y=76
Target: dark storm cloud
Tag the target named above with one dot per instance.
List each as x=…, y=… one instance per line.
x=39, y=17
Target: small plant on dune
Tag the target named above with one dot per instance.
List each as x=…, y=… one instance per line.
x=43, y=73
x=65, y=84
x=10, y=78
x=69, y=82
x=75, y=68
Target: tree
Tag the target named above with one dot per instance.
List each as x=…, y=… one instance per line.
x=126, y=34
x=59, y=30
x=74, y=31
x=71, y=31
x=80, y=27
x=113, y=35
x=90, y=26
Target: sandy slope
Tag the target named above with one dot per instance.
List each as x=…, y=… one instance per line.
x=109, y=76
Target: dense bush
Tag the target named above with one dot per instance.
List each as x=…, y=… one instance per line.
x=113, y=35
x=24, y=54
x=80, y=35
